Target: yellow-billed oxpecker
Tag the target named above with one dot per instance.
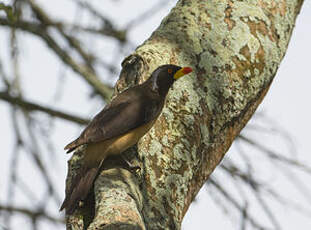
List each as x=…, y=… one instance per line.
x=119, y=126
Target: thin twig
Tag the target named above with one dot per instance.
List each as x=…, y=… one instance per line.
x=147, y=14
x=107, y=26
x=101, y=88
x=276, y=156
x=31, y=214
x=35, y=107
x=236, y=204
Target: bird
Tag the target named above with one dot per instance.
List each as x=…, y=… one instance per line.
x=118, y=126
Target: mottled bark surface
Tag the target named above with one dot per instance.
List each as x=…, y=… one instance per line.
x=235, y=49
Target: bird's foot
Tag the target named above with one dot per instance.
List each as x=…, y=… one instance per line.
x=130, y=166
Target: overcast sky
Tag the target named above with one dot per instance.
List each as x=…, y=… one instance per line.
x=287, y=104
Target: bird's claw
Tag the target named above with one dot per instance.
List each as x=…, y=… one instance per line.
x=130, y=166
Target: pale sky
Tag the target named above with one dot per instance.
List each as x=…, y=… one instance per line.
x=287, y=104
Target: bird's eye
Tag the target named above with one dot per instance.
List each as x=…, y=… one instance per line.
x=169, y=70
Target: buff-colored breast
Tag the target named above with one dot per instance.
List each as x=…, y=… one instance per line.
x=96, y=152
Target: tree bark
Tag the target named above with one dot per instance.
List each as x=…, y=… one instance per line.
x=235, y=48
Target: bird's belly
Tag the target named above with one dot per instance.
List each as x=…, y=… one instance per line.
x=96, y=152
x=121, y=143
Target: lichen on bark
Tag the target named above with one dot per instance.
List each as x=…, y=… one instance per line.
x=235, y=48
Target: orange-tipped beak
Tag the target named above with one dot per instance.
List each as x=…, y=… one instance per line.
x=182, y=72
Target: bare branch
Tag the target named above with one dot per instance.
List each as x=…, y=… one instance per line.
x=35, y=107
x=276, y=156
x=31, y=214
x=147, y=14
x=73, y=42
x=102, y=89
x=107, y=26
x=236, y=204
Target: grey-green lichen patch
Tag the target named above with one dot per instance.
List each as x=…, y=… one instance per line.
x=253, y=45
x=184, y=97
x=118, y=200
x=216, y=9
x=235, y=62
x=282, y=22
x=177, y=198
x=271, y=51
x=187, y=33
x=204, y=134
x=166, y=113
x=222, y=57
x=239, y=37
x=165, y=141
x=155, y=147
x=179, y=152
x=247, y=74
x=249, y=10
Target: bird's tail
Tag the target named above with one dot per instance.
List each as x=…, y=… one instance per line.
x=79, y=188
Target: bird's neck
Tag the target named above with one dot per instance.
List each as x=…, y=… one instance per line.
x=161, y=86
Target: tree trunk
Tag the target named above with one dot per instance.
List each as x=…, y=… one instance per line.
x=235, y=48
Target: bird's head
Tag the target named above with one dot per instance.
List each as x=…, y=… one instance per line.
x=165, y=75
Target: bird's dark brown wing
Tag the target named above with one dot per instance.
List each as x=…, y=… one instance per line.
x=117, y=119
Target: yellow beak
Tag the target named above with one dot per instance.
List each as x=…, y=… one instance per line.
x=183, y=71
